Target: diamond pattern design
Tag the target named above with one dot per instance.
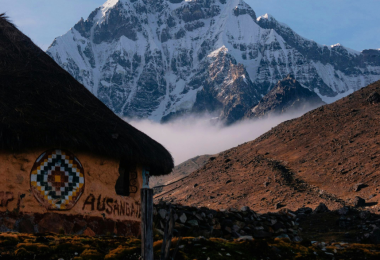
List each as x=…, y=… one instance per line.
x=57, y=180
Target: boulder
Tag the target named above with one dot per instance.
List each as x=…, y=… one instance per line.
x=278, y=206
x=193, y=223
x=162, y=213
x=304, y=210
x=359, y=202
x=183, y=218
x=343, y=211
x=89, y=232
x=358, y=186
x=244, y=209
x=228, y=229
x=283, y=237
x=245, y=238
x=321, y=208
x=235, y=228
x=373, y=98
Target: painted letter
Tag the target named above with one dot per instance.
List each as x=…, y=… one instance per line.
x=89, y=201
x=127, y=209
x=109, y=209
x=122, y=208
x=101, y=207
x=116, y=208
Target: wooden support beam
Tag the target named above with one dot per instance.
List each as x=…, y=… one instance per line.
x=147, y=224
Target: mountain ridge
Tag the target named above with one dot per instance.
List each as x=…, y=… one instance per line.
x=161, y=59
x=329, y=155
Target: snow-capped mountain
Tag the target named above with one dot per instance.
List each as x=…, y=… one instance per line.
x=158, y=59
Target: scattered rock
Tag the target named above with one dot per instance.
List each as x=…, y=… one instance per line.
x=278, y=206
x=359, y=202
x=357, y=187
x=89, y=232
x=304, y=210
x=244, y=208
x=284, y=237
x=228, y=229
x=321, y=208
x=364, y=214
x=373, y=98
x=244, y=238
x=343, y=211
x=193, y=222
x=162, y=213
x=183, y=218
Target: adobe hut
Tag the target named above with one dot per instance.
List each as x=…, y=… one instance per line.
x=67, y=162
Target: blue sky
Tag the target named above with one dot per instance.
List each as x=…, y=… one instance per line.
x=353, y=23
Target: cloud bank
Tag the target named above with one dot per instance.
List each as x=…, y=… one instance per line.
x=188, y=137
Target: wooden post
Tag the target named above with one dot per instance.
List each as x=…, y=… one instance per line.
x=169, y=234
x=147, y=224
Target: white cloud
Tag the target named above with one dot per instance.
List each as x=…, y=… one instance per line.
x=188, y=137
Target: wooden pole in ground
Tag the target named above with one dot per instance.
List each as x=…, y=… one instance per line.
x=170, y=234
x=147, y=224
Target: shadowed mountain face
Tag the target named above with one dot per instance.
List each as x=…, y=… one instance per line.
x=329, y=155
x=165, y=58
x=287, y=96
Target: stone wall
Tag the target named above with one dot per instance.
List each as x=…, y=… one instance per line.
x=231, y=223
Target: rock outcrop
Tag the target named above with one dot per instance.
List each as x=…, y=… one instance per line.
x=285, y=97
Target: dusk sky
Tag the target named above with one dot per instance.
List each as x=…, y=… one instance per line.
x=352, y=23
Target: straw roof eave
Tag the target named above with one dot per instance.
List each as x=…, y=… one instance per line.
x=41, y=105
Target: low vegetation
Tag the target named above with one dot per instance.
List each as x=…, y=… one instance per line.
x=53, y=246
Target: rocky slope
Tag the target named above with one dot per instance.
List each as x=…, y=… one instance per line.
x=328, y=155
x=180, y=171
x=285, y=97
x=161, y=59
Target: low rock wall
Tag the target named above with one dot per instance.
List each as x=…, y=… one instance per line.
x=231, y=223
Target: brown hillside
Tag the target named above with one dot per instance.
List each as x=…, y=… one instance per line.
x=181, y=170
x=318, y=157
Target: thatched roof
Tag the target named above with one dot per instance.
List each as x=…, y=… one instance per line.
x=43, y=106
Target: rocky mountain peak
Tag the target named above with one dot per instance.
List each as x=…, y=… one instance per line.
x=165, y=58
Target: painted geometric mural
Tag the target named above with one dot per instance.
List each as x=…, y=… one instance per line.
x=57, y=180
